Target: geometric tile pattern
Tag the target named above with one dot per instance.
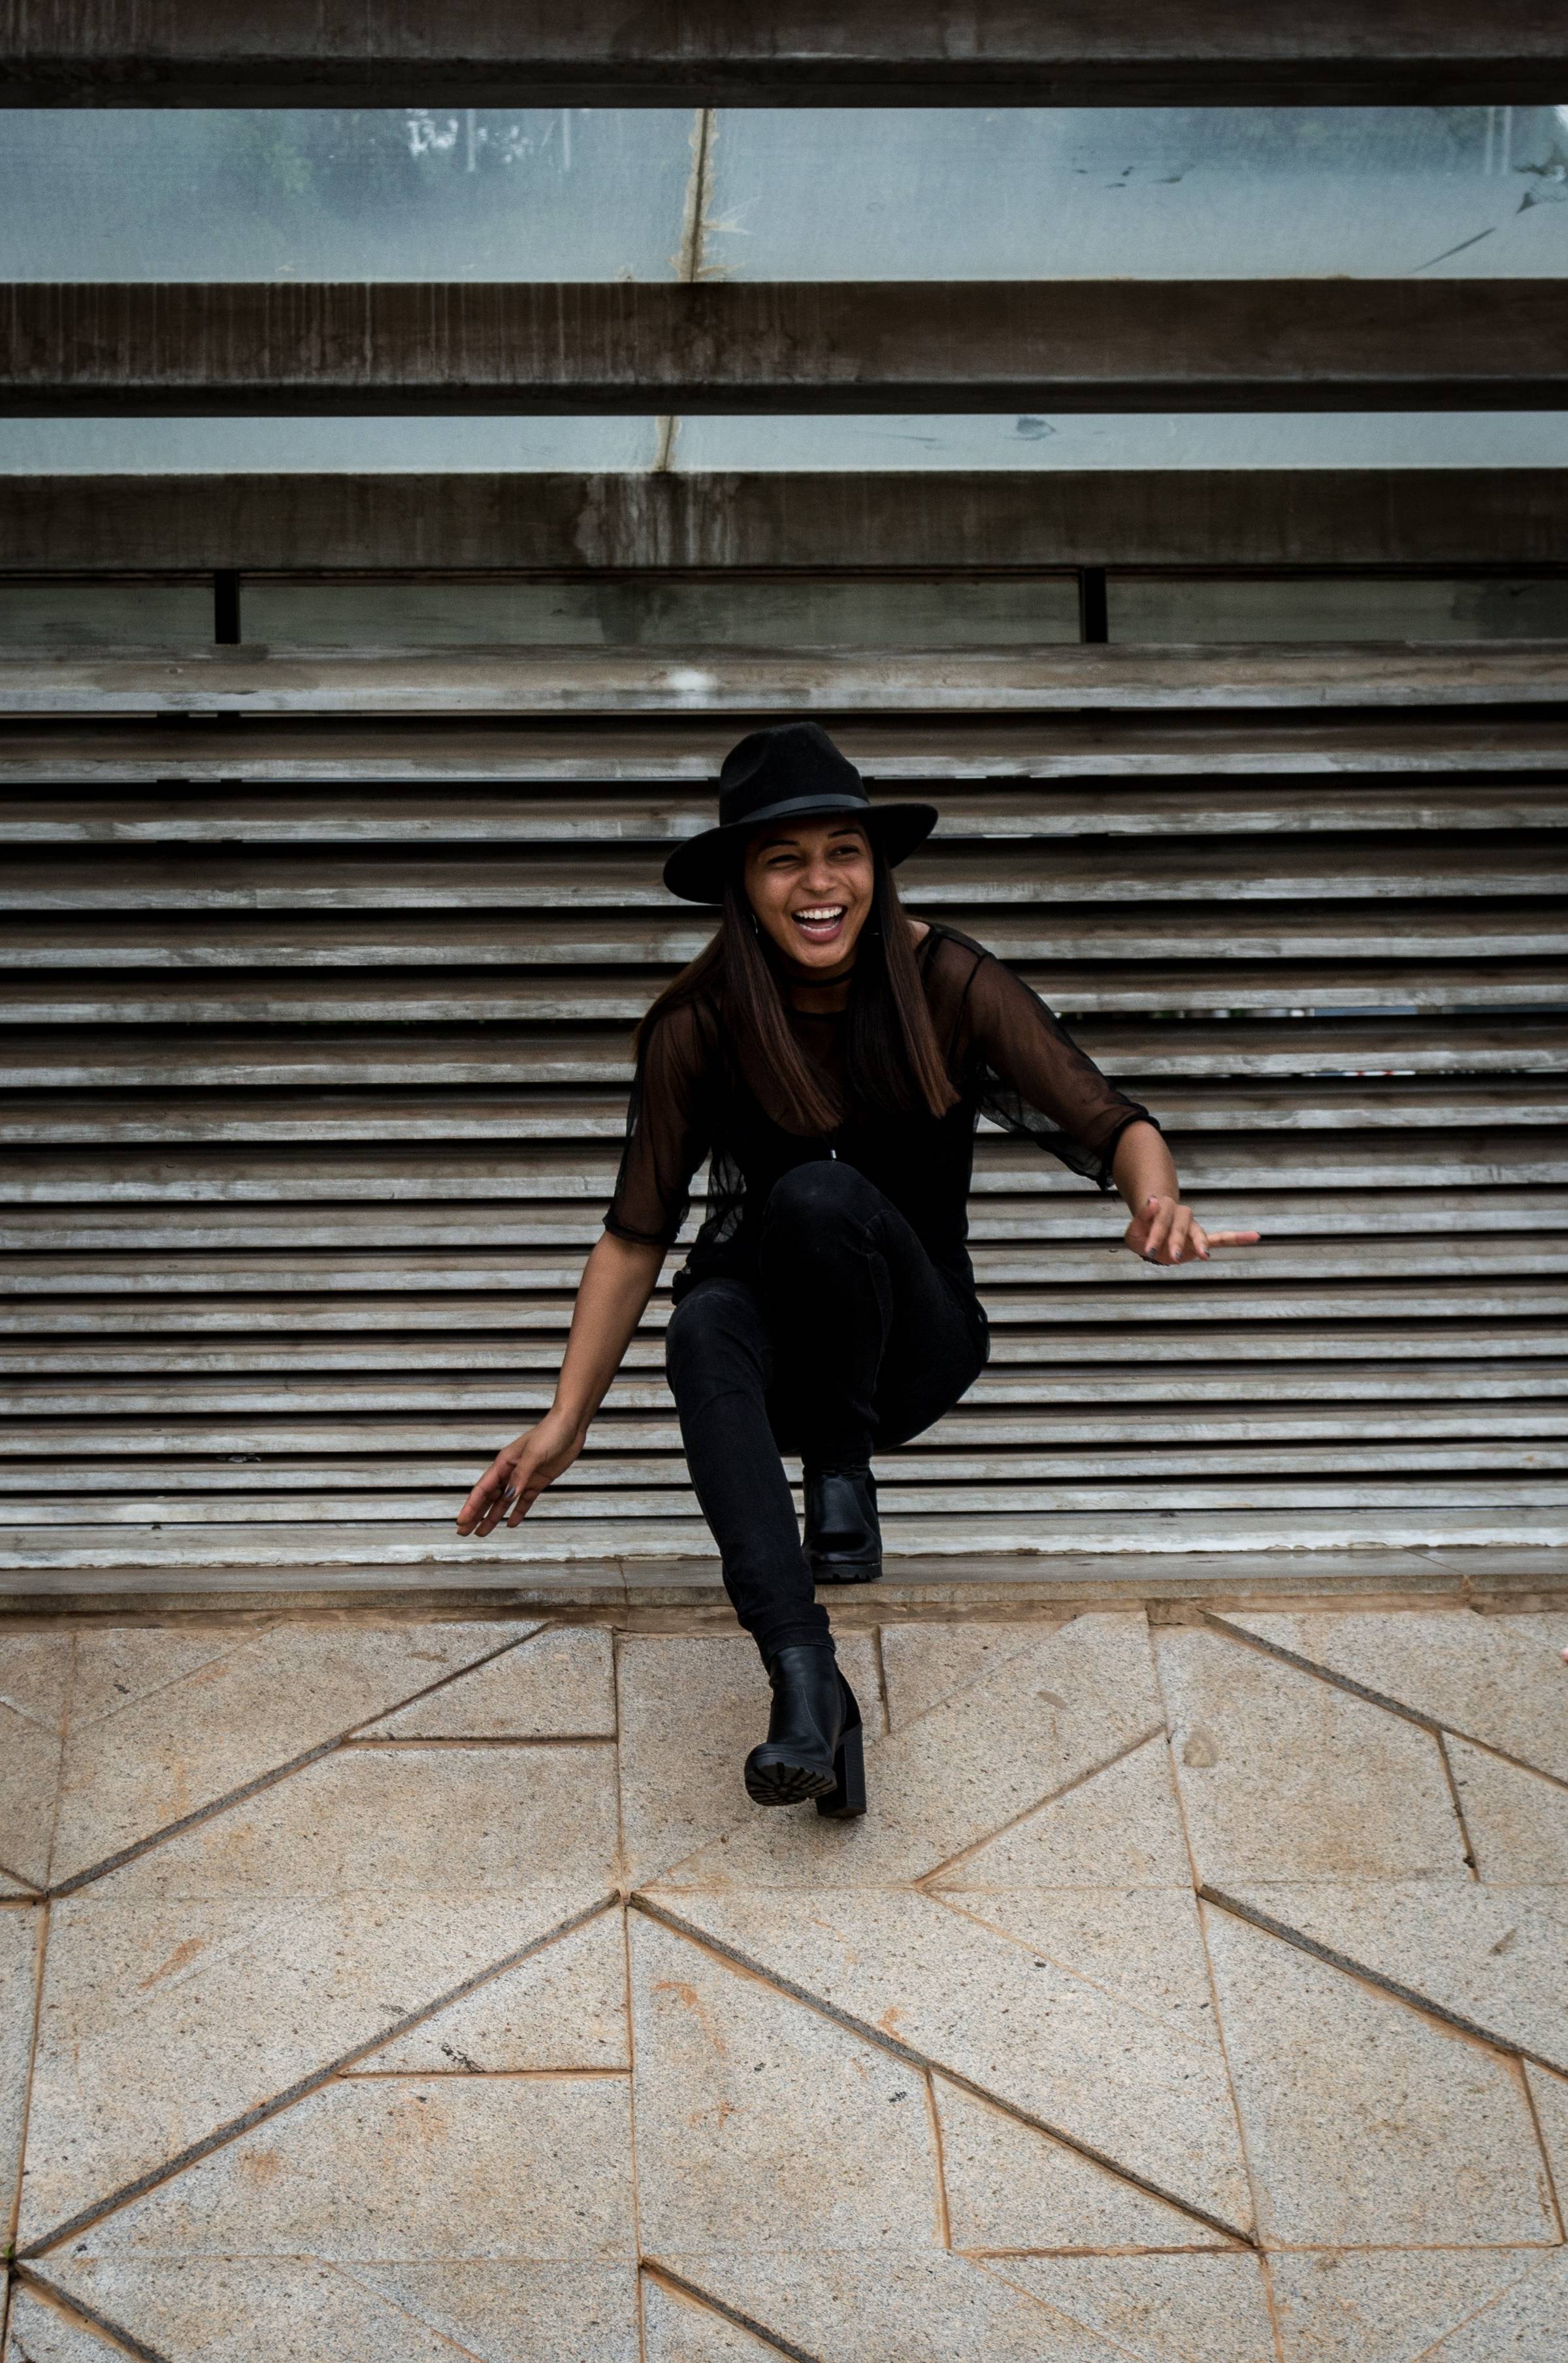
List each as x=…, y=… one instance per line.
x=422, y=1990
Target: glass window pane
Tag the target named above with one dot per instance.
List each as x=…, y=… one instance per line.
x=1155, y=192
x=1334, y=607
x=1470, y=439
x=191, y=446
x=1509, y=439
x=572, y=192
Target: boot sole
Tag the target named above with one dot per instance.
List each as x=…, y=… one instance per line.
x=839, y=1571
x=785, y=1783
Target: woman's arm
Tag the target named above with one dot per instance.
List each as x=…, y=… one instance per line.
x=1028, y=1049
x=1161, y=1230
x=617, y=1280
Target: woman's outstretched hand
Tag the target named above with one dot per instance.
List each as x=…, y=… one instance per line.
x=1164, y=1231
x=518, y=1475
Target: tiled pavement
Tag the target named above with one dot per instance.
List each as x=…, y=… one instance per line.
x=408, y=1992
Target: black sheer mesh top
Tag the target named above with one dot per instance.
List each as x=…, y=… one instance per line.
x=1008, y=1057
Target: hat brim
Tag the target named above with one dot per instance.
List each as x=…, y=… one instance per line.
x=697, y=871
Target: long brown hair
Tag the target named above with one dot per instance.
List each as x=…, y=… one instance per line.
x=892, y=1063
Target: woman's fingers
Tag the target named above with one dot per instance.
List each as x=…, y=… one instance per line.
x=1165, y=1231
x=1156, y=1219
x=534, y=1473
x=517, y=1476
x=492, y=1514
x=473, y=1509
x=527, y=1493
x=487, y=1503
x=1169, y=1232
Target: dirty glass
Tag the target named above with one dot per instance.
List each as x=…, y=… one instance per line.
x=49, y=447
x=1426, y=439
x=466, y=193
x=1473, y=439
x=1155, y=192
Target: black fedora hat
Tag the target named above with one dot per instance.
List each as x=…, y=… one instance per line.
x=790, y=772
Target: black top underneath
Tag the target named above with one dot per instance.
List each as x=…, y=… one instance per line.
x=1008, y=1057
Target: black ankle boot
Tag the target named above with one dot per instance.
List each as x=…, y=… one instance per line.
x=813, y=1746
x=844, y=1540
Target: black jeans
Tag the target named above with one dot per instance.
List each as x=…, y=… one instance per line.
x=850, y=1337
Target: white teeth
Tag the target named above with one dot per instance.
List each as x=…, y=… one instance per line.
x=833, y=911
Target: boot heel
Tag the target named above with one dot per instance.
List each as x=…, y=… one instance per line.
x=847, y=1797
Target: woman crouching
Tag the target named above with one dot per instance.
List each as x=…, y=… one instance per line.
x=829, y=1056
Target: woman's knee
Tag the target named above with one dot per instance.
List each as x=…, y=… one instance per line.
x=814, y=1200
x=717, y=1328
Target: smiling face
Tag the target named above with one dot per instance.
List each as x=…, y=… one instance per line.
x=810, y=883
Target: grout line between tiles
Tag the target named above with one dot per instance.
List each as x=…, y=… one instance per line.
x=944, y=2218
x=631, y=2119
x=1473, y=1861
x=1216, y=1623
x=1443, y=2337
x=75, y=2309
x=1127, y=2248
x=667, y=2280
x=66, y=1718
x=444, y=1681
x=1040, y=1953
x=1053, y=1620
x=881, y=2041
x=1254, y=2190
x=344, y=2273
x=622, y=1865
x=241, y=1638
x=881, y=1663
x=40, y=1953
x=1553, y=2193
x=209, y=1812
x=475, y=2075
x=382, y=1743
x=1270, y=2302
x=1537, y=2248
x=1059, y=2314
x=1469, y=2029
x=262, y=2112
x=1038, y=1805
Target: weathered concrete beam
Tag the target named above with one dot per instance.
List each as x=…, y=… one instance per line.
x=796, y=52
x=1324, y=517
x=252, y=347
x=557, y=683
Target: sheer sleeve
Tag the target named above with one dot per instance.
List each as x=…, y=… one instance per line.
x=1034, y=1080
x=666, y=1136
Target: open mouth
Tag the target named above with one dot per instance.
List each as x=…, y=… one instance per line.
x=820, y=922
